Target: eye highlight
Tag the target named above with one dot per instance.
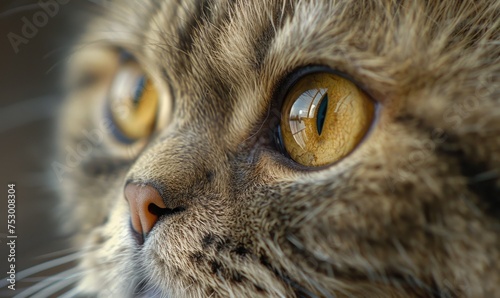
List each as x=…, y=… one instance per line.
x=324, y=118
x=133, y=103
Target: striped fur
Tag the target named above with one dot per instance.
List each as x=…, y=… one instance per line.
x=413, y=212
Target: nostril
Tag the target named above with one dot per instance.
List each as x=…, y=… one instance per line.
x=146, y=208
x=153, y=209
x=158, y=211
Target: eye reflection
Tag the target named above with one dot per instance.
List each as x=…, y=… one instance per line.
x=324, y=118
x=303, y=114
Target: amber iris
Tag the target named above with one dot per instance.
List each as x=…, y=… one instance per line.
x=133, y=102
x=324, y=118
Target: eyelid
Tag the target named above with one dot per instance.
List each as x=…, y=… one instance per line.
x=293, y=76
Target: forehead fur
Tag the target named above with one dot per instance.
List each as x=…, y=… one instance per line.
x=233, y=52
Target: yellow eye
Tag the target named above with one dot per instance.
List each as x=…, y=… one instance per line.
x=133, y=103
x=324, y=117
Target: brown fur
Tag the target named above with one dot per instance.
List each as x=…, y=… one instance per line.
x=413, y=212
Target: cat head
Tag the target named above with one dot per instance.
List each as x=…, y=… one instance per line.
x=192, y=165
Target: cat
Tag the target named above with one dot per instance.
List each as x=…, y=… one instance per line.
x=214, y=148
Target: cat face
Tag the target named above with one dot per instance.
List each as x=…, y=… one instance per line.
x=187, y=173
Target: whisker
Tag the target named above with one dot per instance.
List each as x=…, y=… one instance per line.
x=31, y=110
x=47, y=282
x=57, y=286
x=43, y=266
x=34, y=279
x=59, y=50
x=70, y=294
x=59, y=253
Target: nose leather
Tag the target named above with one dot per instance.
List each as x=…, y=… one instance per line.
x=145, y=207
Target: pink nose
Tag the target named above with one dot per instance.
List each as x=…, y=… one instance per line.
x=146, y=206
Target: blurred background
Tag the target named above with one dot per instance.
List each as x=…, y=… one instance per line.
x=31, y=69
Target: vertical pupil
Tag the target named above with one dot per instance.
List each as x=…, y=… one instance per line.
x=139, y=90
x=320, y=119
